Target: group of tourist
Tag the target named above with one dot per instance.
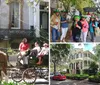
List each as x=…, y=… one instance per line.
x=79, y=29
x=36, y=51
x=58, y=22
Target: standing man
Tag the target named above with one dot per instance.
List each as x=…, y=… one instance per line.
x=55, y=25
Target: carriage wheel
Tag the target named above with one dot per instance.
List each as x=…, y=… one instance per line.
x=19, y=58
x=45, y=74
x=29, y=75
x=16, y=75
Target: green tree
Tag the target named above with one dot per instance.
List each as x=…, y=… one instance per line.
x=58, y=53
x=93, y=68
x=97, y=52
x=78, y=4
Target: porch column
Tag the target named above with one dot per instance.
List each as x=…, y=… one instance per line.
x=75, y=67
x=37, y=19
x=31, y=17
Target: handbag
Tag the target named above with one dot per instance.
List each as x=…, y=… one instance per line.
x=97, y=31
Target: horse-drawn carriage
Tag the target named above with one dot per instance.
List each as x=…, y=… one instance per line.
x=32, y=72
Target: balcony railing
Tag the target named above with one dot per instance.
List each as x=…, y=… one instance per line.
x=15, y=33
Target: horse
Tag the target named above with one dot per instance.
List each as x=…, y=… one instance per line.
x=3, y=62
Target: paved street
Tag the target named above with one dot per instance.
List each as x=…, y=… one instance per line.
x=72, y=82
x=69, y=38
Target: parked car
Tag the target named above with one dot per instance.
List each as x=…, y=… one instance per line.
x=52, y=74
x=59, y=77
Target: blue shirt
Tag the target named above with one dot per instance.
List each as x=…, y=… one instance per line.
x=91, y=27
x=64, y=25
x=96, y=23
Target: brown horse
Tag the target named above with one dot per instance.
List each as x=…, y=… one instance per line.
x=3, y=61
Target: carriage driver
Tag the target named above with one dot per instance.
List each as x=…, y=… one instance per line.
x=24, y=48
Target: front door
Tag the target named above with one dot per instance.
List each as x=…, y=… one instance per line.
x=44, y=20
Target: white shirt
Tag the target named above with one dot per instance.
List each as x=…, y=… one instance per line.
x=44, y=51
x=37, y=48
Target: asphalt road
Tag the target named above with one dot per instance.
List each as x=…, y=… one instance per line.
x=72, y=82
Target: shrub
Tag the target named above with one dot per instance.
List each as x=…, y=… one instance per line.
x=94, y=78
x=77, y=76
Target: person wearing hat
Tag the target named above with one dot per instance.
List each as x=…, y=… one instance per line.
x=92, y=28
x=42, y=53
x=76, y=29
x=64, y=25
x=97, y=30
x=55, y=25
x=85, y=28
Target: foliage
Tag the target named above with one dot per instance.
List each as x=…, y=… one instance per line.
x=58, y=53
x=93, y=68
x=78, y=4
x=31, y=3
x=10, y=1
x=95, y=78
x=77, y=76
x=97, y=51
x=13, y=83
x=44, y=37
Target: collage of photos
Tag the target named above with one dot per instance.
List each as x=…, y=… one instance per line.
x=49, y=42
x=75, y=42
x=24, y=42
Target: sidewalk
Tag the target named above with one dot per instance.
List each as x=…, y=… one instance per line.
x=69, y=38
x=38, y=82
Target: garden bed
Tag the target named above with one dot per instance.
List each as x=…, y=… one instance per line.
x=76, y=76
x=95, y=78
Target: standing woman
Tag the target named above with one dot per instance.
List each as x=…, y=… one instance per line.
x=55, y=25
x=85, y=28
x=76, y=29
x=92, y=28
x=64, y=26
x=97, y=30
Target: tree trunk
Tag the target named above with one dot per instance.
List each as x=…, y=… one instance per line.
x=54, y=67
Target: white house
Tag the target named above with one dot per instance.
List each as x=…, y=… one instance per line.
x=19, y=16
x=16, y=14
x=80, y=59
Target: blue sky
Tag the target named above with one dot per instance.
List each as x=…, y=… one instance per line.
x=85, y=46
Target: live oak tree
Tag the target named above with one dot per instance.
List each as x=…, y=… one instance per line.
x=78, y=4
x=58, y=53
x=97, y=52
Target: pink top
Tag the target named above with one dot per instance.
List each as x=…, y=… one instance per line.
x=85, y=26
x=23, y=46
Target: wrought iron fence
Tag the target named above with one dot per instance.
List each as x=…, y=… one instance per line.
x=16, y=33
